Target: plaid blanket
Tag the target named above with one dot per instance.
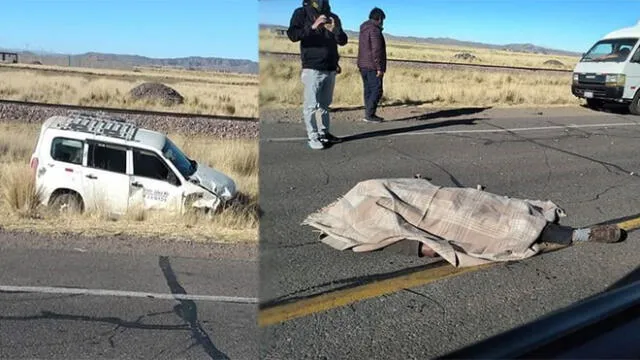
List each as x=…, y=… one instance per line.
x=465, y=226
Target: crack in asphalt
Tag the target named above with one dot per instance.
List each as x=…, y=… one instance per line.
x=418, y=159
x=187, y=310
x=549, y=171
x=610, y=167
x=120, y=323
x=598, y=195
x=53, y=297
x=444, y=310
x=325, y=173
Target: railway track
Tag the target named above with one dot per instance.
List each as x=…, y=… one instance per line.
x=130, y=111
x=435, y=63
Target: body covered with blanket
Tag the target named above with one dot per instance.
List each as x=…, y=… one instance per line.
x=464, y=226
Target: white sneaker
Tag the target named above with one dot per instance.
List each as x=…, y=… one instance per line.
x=315, y=144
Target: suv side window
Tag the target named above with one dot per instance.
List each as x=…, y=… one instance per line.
x=67, y=150
x=149, y=165
x=107, y=157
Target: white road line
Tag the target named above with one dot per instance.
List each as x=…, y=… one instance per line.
x=120, y=293
x=441, y=132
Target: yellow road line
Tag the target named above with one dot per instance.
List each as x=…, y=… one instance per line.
x=281, y=313
x=339, y=298
x=630, y=224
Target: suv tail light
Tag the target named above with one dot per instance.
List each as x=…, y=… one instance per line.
x=34, y=163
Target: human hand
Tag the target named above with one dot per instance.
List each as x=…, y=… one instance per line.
x=338, y=69
x=321, y=20
x=379, y=74
x=330, y=25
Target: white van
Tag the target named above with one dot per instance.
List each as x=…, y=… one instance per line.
x=610, y=71
x=88, y=161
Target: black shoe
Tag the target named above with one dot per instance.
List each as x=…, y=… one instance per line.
x=373, y=119
x=328, y=137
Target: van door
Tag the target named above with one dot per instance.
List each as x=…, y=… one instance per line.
x=105, y=178
x=632, y=72
x=154, y=185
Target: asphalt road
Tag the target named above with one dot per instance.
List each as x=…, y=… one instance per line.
x=590, y=169
x=53, y=324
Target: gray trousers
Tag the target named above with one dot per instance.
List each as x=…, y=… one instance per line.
x=318, y=95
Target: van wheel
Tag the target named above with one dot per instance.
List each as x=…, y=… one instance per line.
x=634, y=107
x=594, y=104
x=67, y=203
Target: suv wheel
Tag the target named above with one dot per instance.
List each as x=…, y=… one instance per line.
x=66, y=203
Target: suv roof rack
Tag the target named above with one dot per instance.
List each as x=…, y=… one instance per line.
x=98, y=124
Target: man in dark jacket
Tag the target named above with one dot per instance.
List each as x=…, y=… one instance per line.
x=319, y=32
x=372, y=62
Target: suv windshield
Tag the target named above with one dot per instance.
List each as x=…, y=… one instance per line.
x=611, y=50
x=185, y=165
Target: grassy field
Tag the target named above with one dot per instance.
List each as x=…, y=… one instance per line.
x=281, y=87
x=204, y=92
x=431, y=52
x=19, y=208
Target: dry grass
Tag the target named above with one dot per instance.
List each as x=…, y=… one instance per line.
x=430, y=52
x=281, y=87
x=204, y=92
x=237, y=158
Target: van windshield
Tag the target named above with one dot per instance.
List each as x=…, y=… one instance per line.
x=610, y=50
x=185, y=165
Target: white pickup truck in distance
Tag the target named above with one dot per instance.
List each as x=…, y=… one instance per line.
x=88, y=161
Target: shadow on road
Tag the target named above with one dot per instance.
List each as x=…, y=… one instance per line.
x=444, y=114
x=620, y=219
x=349, y=283
x=391, y=104
x=618, y=109
x=188, y=311
x=626, y=280
x=402, y=130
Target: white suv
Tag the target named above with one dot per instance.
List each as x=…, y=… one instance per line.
x=87, y=161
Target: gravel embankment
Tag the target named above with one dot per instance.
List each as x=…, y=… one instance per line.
x=224, y=129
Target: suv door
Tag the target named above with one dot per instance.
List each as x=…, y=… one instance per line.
x=105, y=177
x=62, y=167
x=154, y=183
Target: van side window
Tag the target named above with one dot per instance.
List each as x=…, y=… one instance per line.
x=636, y=56
x=149, y=165
x=67, y=150
x=107, y=157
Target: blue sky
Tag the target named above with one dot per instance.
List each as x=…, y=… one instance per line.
x=568, y=24
x=169, y=28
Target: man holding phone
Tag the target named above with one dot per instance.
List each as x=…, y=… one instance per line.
x=319, y=32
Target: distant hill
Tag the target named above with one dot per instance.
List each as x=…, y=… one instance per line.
x=525, y=48
x=121, y=61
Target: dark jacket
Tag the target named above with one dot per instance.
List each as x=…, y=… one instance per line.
x=318, y=48
x=372, y=48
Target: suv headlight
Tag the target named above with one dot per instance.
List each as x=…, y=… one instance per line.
x=615, y=79
x=576, y=78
